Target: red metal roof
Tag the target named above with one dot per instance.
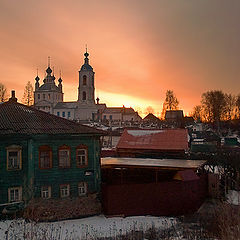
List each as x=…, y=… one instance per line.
x=167, y=139
x=21, y=119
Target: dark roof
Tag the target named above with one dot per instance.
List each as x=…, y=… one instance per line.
x=16, y=118
x=151, y=117
x=167, y=139
x=174, y=114
x=119, y=110
x=86, y=67
x=61, y=105
x=48, y=87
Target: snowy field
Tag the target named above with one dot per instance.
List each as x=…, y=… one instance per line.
x=85, y=228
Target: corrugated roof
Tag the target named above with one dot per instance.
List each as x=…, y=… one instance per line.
x=21, y=119
x=168, y=139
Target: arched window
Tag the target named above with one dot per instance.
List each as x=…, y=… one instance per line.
x=84, y=96
x=84, y=80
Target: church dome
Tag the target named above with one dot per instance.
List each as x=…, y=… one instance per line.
x=86, y=66
x=49, y=70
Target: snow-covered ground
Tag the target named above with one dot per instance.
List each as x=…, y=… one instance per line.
x=233, y=197
x=85, y=228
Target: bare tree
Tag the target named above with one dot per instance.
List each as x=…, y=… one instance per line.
x=3, y=93
x=230, y=108
x=238, y=105
x=171, y=103
x=214, y=105
x=197, y=113
x=28, y=94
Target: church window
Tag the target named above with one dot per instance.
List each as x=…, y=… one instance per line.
x=43, y=96
x=84, y=80
x=110, y=117
x=104, y=117
x=63, y=114
x=84, y=96
x=58, y=114
x=69, y=114
x=38, y=96
x=49, y=96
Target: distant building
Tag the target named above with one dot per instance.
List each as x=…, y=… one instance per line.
x=175, y=118
x=49, y=98
x=151, y=118
x=48, y=164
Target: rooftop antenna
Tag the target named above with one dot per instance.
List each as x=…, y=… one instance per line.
x=86, y=47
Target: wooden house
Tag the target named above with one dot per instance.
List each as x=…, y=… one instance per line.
x=49, y=165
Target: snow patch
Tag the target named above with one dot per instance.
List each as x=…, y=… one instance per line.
x=233, y=197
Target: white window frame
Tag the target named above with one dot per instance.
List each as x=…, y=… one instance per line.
x=81, y=157
x=64, y=162
x=82, y=189
x=64, y=190
x=46, y=192
x=16, y=164
x=17, y=194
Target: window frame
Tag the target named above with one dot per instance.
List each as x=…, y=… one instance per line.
x=68, y=190
x=84, y=80
x=45, y=148
x=19, y=188
x=85, y=187
x=64, y=148
x=18, y=149
x=84, y=95
x=48, y=191
x=85, y=148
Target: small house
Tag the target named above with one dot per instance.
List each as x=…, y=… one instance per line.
x=50, y=166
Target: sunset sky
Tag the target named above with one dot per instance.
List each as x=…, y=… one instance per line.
x=138, y=48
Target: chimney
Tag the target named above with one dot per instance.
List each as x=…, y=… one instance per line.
x=13, y=98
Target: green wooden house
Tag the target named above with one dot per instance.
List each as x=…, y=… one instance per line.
x=48, y=165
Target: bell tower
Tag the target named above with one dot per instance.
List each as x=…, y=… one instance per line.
x=86, y=82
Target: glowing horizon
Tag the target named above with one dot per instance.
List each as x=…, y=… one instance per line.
x=138, y=49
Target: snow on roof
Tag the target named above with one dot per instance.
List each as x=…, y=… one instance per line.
x=151, y=163
x=137, y=133
x=168, y=139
